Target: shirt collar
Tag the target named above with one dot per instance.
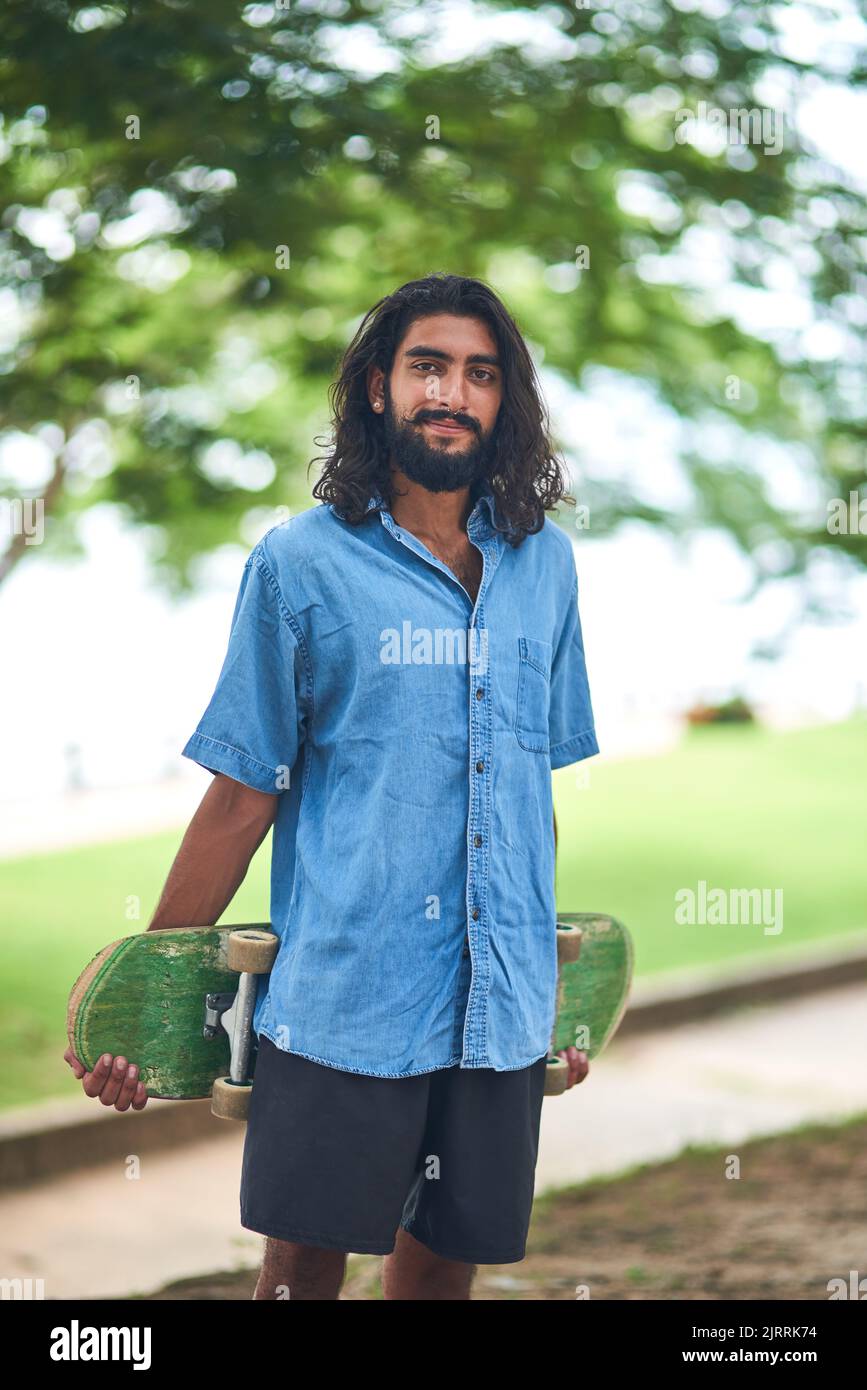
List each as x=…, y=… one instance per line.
x=484, y=499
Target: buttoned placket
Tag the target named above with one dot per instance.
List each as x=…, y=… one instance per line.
x=480, y=534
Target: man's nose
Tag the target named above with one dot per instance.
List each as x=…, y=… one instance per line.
x=453, y=394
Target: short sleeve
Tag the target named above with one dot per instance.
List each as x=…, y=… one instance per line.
x=253, y=726
x=572, y=734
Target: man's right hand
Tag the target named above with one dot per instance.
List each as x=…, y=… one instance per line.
x=112, y=1081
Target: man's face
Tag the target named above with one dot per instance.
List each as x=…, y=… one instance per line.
x=442, y=401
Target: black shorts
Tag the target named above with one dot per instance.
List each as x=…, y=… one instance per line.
x=336, y=1159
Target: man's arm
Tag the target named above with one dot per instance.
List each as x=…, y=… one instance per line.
x=209, y=868
x=555, y=837
x=221, y=839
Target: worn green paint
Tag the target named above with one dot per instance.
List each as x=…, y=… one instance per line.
x=147, y=1003
x=592, y=991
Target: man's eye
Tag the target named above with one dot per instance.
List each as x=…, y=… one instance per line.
x=432, y=366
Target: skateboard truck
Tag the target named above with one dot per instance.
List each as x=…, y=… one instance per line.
x=216, y=1005
x=233, y=1014
x=251, y=951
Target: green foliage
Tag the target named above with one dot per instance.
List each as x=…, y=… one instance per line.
x=734, y=711
x=154, y=301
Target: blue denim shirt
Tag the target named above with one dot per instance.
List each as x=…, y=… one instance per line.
x=409, y=735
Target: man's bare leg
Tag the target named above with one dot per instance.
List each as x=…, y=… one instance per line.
x=306, y=1271
x=413, y=1271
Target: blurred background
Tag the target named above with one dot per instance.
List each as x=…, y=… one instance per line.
x=199, y=204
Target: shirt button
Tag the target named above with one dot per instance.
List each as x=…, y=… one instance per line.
x=480, y=767
x=477, y=841
x=480, y=694
x=476, y=914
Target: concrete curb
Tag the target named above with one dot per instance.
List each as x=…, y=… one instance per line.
x=689, y=996
x=54, y=1137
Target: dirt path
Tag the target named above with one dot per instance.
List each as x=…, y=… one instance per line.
x=795, y=1218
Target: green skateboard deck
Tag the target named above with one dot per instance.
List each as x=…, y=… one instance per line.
x=147, y=997
x=179, y=1004
x=594, y=974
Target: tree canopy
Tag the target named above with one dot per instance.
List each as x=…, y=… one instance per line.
x=201, y=201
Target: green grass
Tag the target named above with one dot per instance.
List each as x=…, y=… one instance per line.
x=740, y=808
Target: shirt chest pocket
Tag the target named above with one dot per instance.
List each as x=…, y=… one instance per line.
x=534, y=688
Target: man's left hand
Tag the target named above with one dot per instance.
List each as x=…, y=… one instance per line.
x=578, y=1065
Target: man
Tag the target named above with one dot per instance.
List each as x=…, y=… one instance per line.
x=405, y=668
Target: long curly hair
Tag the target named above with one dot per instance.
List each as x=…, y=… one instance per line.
x=528, y=479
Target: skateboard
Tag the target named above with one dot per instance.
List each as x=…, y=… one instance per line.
x=179, y=1003
x=594, y=974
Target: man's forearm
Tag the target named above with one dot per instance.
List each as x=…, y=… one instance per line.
x=555, y=835
x=221, y=839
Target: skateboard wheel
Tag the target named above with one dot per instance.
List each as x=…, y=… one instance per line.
x=556, y=1076
x=228, y=1101
x=252, y=951
x=568, y=943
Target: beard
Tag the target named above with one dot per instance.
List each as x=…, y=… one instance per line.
x=444, y=467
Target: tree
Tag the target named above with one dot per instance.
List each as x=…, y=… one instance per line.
x=201, y=202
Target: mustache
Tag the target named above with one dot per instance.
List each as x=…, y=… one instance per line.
x=438, y=415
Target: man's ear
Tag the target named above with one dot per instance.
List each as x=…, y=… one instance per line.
x=375, y=384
